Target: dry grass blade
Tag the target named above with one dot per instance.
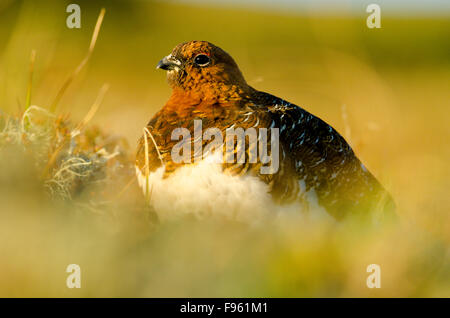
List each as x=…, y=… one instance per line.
x=146, y=131
x=52, y=160
x=127, y=186
x=30, y=79
x=147, y=165
x=95, y=106
x=348, y=131
x=77, y=130
x=82, y=64
x=147, y=168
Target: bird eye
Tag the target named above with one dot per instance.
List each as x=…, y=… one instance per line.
x=202, y=60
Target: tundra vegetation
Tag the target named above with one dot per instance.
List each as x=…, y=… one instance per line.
x=71, y=114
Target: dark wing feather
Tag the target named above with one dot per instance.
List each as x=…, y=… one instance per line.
x=313, y=156
x=324, y=162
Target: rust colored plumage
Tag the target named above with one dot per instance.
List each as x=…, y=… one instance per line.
x=207, y=85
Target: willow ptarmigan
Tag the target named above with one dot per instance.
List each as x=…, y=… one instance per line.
x=187, y=163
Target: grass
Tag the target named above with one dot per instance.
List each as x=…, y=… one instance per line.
x=67, y=182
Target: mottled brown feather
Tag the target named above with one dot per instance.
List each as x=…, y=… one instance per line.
x=312, y=153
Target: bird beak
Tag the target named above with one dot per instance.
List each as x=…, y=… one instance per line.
x=168, y=63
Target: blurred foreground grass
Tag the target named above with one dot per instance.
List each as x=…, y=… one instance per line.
x=124, y=252
x=65, y=189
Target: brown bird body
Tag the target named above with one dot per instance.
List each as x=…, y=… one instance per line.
x=317, y=167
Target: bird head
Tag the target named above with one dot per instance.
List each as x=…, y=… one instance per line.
x=200, y=65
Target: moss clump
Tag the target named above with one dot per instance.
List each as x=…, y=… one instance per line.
x=69, y=159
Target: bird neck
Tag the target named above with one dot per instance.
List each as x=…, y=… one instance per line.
x=209, y=95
